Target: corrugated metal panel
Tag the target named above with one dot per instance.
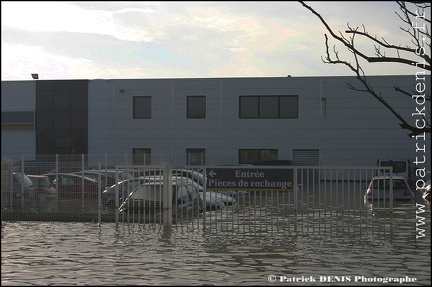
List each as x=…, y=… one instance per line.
x=306, y=157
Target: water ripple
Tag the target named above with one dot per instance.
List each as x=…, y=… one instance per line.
x=53, y=253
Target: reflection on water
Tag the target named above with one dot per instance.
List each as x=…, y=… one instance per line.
x=56, y=253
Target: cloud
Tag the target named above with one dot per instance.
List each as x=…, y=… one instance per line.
x=182, y=39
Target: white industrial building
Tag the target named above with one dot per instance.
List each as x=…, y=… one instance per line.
x=310, y=120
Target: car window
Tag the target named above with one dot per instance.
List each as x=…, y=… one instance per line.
x=45, y=182
x=131, y=185
x=385, y=184
x=399, y=184
x=151, y=192
x=66, y=181
x=183, y=194
x=40, y=181
x=193, y=191
x=23, y=179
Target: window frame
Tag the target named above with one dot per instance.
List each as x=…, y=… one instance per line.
x=135, y=107
x=136, y=153
x=260, y=106
x=193, y=114
x=260, y=155
x=191, y=156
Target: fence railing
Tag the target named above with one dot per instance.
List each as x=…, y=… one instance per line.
x=243, y=199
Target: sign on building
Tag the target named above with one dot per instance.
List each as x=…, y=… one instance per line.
x=250, y=179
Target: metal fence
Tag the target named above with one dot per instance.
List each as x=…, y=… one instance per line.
x=241, y=199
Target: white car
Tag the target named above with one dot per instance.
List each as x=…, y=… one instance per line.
x=149, y=196
x=45, y=192
x=379, y=188
x=427, y=191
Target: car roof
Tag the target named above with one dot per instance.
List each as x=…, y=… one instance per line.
x=37, y=176
x=176, y=179
x=388, y=177
x=70, y=174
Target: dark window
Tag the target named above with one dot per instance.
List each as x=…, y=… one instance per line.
x=78, y=119
x=61, y=117
x=61, y=100
x=141, y=156
x=250, y=156
x=195, y=156
x=18, y=118
x=268, y=107
x=45, y=101
x=44, y=118
x=196, y=107
x=142, y=107
x=79, y=100
x=249, y=107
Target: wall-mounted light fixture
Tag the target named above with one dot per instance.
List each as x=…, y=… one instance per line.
x=324, y=101
x=35, y=76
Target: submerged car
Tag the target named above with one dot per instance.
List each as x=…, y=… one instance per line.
x=198, y=177
x=124, y=188
x=45, y=192
x=427, y=191
x=379, y=188
x=149, y=197
x=108, y=177
x=23, y=189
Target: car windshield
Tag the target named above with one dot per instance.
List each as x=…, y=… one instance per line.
x=42, y=181
x=23, y=179
x=152, y=192
x=385, y=184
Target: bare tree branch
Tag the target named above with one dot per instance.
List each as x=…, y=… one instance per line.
x=417, y=34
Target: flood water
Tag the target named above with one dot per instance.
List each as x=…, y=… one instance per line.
x=67, y=253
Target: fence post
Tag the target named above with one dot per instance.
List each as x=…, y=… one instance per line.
x=22, y=180
x=167, y=195
x=117, y=200
x=99, y=194
x=295, y=198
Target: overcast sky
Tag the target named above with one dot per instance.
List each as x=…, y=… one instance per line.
x=129, y=40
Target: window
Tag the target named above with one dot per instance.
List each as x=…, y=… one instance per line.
x=141, y=156
x=268, y=107
x=196, y=107
x=18, y=118
x=249, y=156
x=142, y=107
x=195, y=156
